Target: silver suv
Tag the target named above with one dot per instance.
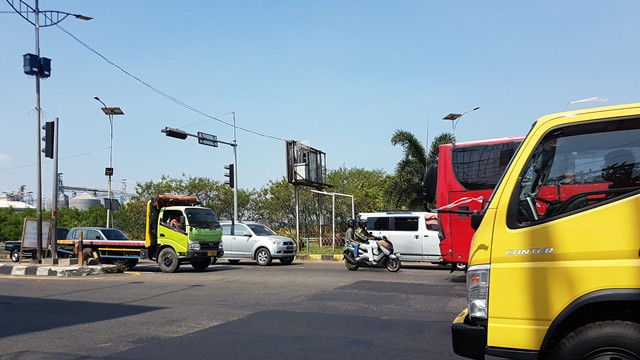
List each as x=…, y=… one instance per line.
x=255, y=241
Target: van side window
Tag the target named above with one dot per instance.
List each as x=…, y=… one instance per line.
x=578, y=167
x=405, y=223
x=378, y=223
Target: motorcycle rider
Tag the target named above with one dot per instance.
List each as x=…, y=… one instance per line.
x=349, y=236
x=362, y=235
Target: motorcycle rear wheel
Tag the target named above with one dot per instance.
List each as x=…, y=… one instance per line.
x=393, y=265
x=350, y=266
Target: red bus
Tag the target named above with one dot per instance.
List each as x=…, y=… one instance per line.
x=460, y=182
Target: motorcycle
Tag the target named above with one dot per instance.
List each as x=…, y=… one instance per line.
x=383, y=255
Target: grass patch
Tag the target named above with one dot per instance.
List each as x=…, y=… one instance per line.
x=315, y=249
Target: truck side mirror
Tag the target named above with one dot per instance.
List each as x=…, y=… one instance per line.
x=476, y=219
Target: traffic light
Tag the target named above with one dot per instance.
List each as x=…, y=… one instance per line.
x=174, y=133
x=48, y=128
x=231, y=181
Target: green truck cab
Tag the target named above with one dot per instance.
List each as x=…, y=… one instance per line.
x=178, y=230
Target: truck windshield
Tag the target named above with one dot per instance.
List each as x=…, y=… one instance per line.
x=202, y=218
x=113, y=234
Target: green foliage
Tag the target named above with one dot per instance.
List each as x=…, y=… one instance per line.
x=11, y=223
x=444, y=138
x=131, y=219
x=406, y=187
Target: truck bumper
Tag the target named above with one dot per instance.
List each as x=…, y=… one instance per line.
x=193, y=254
x=468, y=340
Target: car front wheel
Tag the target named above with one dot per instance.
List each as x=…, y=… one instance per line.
x=263, y=257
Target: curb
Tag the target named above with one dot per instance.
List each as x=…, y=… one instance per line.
x=318, y=257
x=60, y=271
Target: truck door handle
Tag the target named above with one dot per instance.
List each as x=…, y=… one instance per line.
x=161, y=235
x=415, y=237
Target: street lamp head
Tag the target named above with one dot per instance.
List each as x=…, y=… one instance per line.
x=82, y=17
x=451, y=116
x=97, y=98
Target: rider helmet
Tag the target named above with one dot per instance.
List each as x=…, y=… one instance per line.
x=363, y=223
x=351, y=223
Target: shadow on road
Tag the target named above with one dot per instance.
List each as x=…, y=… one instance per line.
x=304, y=335
x=23, y=315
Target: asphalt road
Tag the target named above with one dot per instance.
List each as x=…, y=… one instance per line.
x=310, y=310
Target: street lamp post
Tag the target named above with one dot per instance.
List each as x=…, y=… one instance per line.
x=454, y=117
x=109, y=111
x=51, y=17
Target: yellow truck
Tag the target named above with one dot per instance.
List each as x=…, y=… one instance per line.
x=554, y=266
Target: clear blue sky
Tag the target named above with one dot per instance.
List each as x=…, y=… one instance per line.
x=343, y=75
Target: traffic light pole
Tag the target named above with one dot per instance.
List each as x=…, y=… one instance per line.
x=212, y=140
x=38, y=157
x=235, y=172
x=54, y=203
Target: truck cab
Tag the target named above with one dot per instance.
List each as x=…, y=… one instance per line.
x=555, y=260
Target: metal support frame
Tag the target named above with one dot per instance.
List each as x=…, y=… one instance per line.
x=333, y=212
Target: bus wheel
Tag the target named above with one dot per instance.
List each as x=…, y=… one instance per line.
x=601, y=340
x=168, y=260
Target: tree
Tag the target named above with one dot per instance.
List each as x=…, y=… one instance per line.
x=444, y=138
x=405, y=188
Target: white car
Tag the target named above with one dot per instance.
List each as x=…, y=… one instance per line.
x=251, y=240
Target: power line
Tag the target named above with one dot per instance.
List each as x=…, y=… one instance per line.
x=64, y=158
x=162, y=93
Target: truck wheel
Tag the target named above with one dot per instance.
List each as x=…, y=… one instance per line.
x=287, y=260
x=168, y=260
x=201, y=265
x=601, y=340
x=263, y=257
x=15, y=255
x=214, y=260
x=88, y=258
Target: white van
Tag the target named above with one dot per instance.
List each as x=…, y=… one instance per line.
x=412, y=237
